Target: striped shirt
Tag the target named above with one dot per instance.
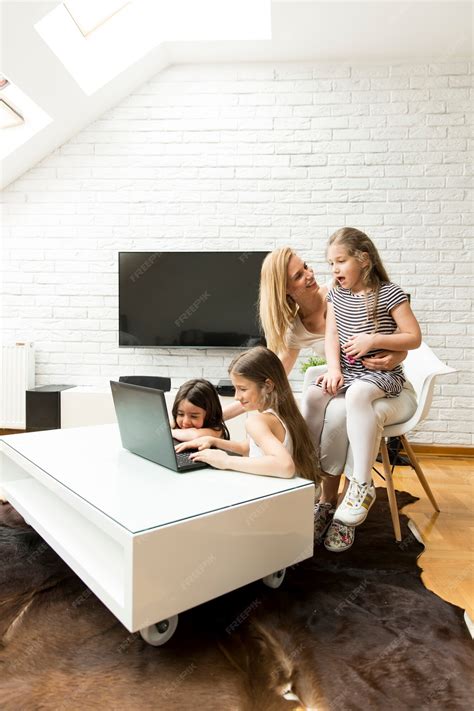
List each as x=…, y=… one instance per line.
x=354, y=315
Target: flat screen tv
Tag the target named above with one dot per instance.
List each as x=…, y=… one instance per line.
x=192, y=299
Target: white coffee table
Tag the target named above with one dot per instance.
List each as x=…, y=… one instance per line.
x=151, y=543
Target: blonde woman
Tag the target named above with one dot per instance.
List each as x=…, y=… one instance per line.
x=293, y=316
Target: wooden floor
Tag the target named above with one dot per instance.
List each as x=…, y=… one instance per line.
x=448, y=560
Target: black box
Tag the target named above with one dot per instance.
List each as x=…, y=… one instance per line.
x=225, y=388
x=43, y=407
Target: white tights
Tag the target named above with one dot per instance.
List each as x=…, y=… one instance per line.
x=363, y=426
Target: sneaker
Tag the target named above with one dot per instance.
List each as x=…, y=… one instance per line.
x=339, y=537
x=356, y=503
x=323, y=514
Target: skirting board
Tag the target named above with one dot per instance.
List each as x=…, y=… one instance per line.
x=443, y=450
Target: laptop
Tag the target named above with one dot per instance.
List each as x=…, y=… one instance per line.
x=145, y=428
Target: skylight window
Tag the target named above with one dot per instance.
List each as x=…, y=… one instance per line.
x=20, y=117
x=9, y=116
x=108, y=44
x=89, y=16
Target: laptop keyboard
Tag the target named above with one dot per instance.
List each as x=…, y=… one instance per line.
x=183, y=459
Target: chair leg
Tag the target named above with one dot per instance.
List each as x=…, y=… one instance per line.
x=414, y=462
x=392, y=499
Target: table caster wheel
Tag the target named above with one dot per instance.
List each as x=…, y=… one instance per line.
x=275, y=579
x=161, y=632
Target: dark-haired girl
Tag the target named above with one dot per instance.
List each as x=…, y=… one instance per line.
x=197, y=412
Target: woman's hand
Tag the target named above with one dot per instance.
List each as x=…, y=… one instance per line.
x=331, y=381
x=215, y=457
x=198, y=443
x=357, y=346
x=385, y=360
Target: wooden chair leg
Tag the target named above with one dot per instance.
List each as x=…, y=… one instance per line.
x=414, y=462
x=392, y=499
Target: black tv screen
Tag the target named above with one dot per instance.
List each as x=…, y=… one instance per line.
x=196, y=299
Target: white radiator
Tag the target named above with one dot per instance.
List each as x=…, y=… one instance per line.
x=17, y=374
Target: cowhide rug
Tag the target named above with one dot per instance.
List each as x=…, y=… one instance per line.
x=350, y=631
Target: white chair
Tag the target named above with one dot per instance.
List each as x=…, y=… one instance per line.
x=421, y=368
x=311, y=374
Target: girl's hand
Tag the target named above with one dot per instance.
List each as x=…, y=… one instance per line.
x=384, y=360
x=198, y=443
x=331, y=381
x=215, y=457
x=357, y=346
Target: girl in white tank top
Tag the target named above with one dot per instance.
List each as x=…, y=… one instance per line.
x=256, y=451
x=278, y=441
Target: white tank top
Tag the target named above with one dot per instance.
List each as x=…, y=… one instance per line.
x=298, y=336
x=255, y=450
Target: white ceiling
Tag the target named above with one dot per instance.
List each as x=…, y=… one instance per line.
x=302, y=30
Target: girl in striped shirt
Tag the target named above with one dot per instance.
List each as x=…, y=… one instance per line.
x=366, y=313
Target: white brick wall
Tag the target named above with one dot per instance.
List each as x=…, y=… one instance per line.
x=249, y=157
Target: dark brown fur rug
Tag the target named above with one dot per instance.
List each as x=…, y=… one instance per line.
x=351, y=631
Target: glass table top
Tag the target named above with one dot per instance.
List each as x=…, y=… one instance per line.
x=136, y=493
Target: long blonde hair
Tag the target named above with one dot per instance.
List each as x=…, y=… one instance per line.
x=361, y=247
x=260, y=364
x=277, y=310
